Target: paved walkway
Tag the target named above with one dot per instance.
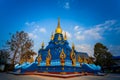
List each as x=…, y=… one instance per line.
x=5, y=76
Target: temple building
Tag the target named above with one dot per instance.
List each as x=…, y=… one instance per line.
x=58, y=57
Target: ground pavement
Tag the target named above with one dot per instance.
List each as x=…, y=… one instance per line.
x=5, y=76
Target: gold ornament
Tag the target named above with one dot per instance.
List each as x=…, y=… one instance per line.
x=62, y=57
x=42, y=45
x=39, y=59
x=65, y=36
x=52, y=36
x=59, y=37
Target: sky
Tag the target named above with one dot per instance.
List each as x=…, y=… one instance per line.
x=86, y=22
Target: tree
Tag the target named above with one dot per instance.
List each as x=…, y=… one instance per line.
x=102, y=55
x=19, y=44
x=4, y=56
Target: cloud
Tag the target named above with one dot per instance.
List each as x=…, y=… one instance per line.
x=32, y=35
x=30, y=24
x=80, y=37
x=88, y=33
x=95, y=33
x=106, y=24
x=35, y=33
x=85, y=48
x=76, y=28
x=36, y=27
x=43, y=30
x=67, y=5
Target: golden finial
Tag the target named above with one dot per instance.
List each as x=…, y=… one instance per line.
x=52, y=36
x=58, y=29
x=58, y=21
x=73, y=46
x=48, y=58
x=65, y=36
x=72, y=54
x=59, y=37
x=42, y=45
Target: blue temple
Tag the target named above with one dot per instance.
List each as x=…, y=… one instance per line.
x=58, y=56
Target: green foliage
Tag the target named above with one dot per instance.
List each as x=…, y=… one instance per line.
x=102, y=55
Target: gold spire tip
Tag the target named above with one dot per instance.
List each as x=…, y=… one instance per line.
x=42, y=44
x=58, y=29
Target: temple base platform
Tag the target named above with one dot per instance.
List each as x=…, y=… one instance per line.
x=55, y=74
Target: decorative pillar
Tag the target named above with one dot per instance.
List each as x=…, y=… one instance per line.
x=73, y=56
x=48, y=58
x=39, y=59
x=62, y=57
